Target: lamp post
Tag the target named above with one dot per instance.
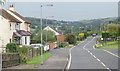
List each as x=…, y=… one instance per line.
x=41, y=6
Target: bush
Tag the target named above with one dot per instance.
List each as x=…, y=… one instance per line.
x=71, y=39
x=63, y=44
x=81, y=36
x=23, y=50
x=11, y=47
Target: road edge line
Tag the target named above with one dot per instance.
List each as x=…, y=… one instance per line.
x=111, y=53
x=70, y=57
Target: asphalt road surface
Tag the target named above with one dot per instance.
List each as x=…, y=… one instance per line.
x=85, y=57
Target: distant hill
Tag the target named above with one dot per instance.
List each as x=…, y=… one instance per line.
x=66, y=26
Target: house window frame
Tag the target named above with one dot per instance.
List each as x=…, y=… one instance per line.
x=10, y=26
x=25, y=39
x=10, y=40
x=17, y=26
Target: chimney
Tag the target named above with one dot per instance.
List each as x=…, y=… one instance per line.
x=11, y=8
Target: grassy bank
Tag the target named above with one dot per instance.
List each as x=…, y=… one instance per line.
x=37, y=59
x=108, y=44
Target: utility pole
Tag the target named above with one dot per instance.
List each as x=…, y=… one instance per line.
x=41, y=48
x=41, y=38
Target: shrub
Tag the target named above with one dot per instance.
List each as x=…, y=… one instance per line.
x=23, y=50
x=11, y=47
x=71, y=39
x=63, y=44
x=81, y=36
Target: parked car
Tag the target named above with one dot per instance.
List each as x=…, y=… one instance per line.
x=36, y=45
x=46, y=48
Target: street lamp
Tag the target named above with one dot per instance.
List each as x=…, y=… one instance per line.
x=41, y=6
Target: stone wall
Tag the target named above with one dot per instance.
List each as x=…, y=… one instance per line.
x=10, y=59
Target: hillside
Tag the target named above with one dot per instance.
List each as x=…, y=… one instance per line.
x=71, y=26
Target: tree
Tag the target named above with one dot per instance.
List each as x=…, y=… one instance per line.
x=37, y=37
x=81, y=36
x=71, y=39
x=113, y=29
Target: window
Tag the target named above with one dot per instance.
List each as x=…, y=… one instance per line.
x=10, y=26
x=17, y=26
x=25, y=40
x=10, y=40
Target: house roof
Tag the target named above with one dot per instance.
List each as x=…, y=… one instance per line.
x=16, y=34
x=6, y=15
x=20, y=33
x=50, y=29
x=23, y=18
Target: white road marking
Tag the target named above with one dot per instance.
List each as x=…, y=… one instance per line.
x=91, y=53
x=88, y=51
x=98, y=59
x=87, y=43
x=103, y=64
x=95, y=56
x=70, y=59
x=111, y=53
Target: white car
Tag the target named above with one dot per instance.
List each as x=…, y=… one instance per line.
x=46, y=48
x=36, y=45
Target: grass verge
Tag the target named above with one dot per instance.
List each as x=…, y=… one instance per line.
x=109, y=44
x=37, y=59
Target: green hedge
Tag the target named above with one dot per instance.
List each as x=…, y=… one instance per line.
x=11, y=48
x=63, y=44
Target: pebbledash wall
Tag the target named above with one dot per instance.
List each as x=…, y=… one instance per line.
x=5, y=31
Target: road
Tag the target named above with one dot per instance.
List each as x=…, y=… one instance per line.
x=85, y=57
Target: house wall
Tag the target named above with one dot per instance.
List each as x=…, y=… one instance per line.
x=60, y=38
x=52, y=45
x=50, y=29
x=25, y=26
x=5, y=31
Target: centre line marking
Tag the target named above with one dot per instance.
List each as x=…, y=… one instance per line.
x=95, y=56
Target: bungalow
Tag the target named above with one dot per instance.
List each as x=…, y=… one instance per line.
x=48, y=28
x=13, y=28
x=60, y=37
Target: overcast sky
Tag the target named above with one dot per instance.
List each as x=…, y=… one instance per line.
x=68, y=10
x=63, y=0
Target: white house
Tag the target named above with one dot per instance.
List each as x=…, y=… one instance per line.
x=13, y=28
x=48, y=28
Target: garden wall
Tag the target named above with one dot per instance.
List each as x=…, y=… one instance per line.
x=10, y=59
